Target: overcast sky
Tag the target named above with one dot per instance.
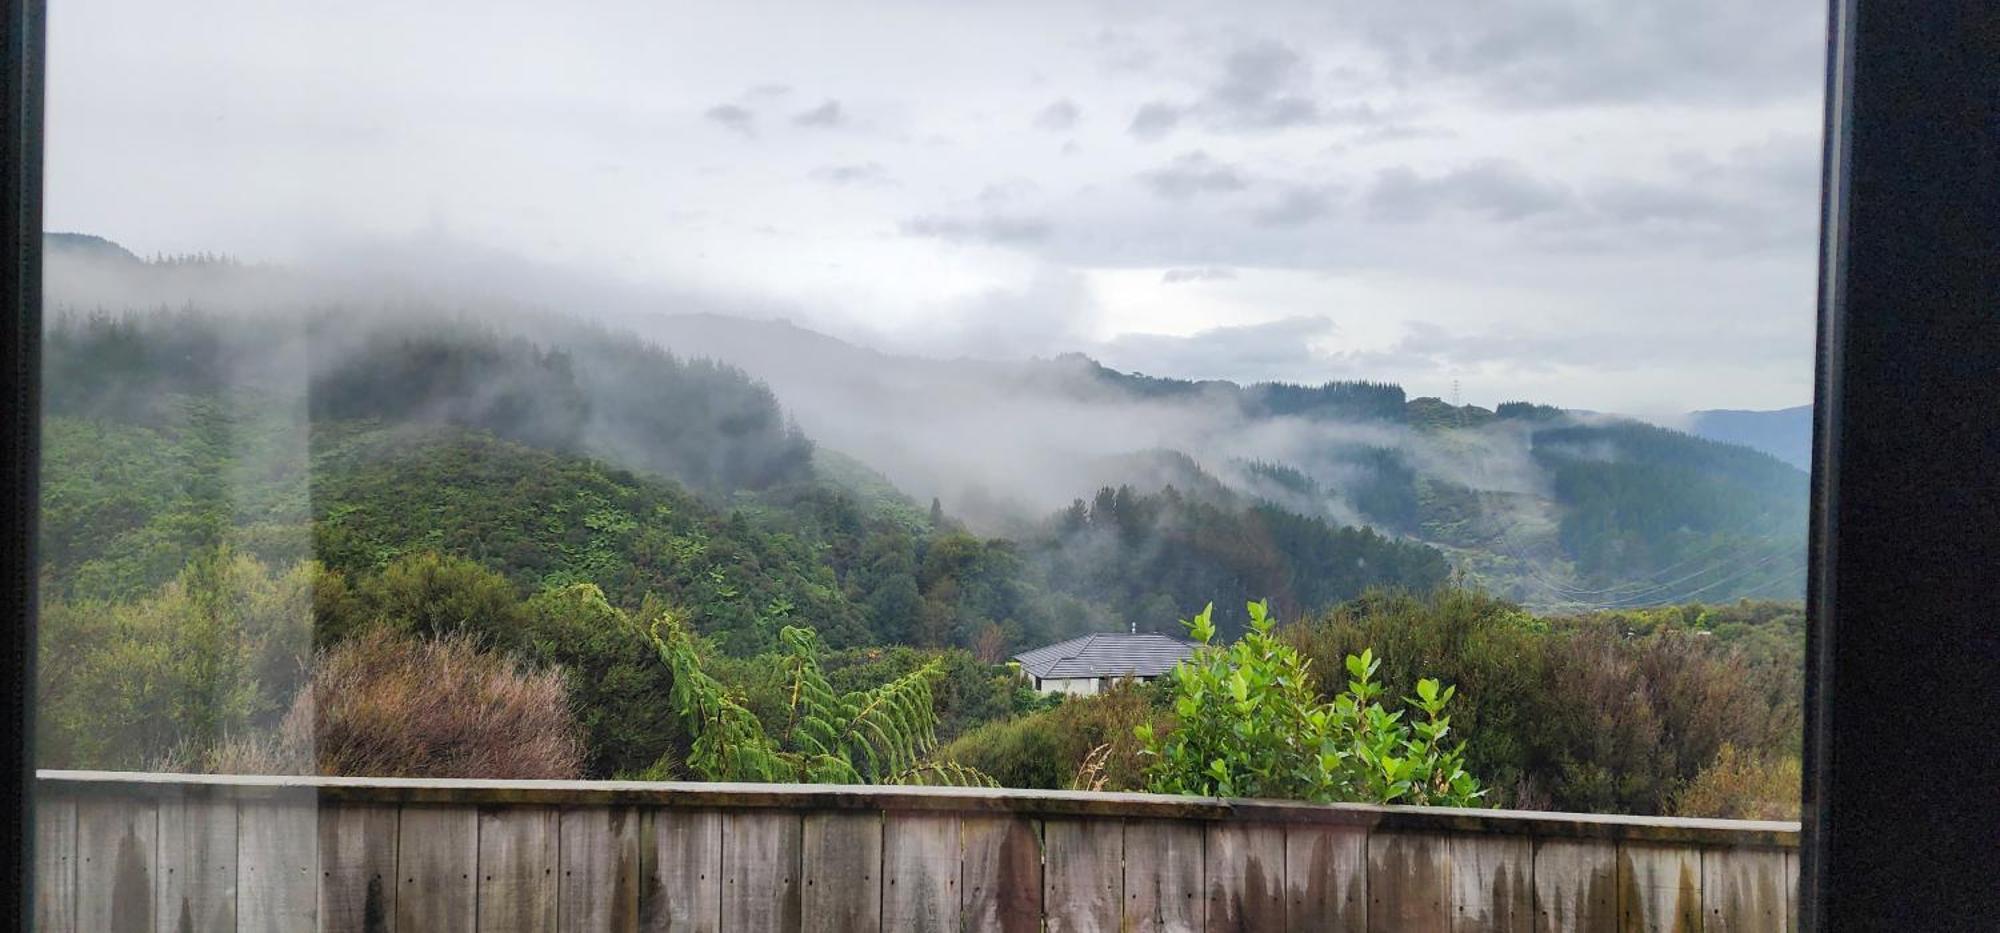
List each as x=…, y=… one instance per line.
x=1605, y=204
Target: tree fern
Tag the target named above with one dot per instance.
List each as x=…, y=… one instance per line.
x=885, y=735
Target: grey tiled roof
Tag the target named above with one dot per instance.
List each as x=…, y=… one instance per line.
x=1107, y=655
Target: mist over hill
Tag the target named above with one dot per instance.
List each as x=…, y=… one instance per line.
x=1548, y=507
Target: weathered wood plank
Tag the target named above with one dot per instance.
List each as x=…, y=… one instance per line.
x=1084, y=875
x=277, y=863
x=1791, y=891
x=1576, y=886
x=1742, y=890
x=1000, y=880
x=1165, y=876
x=437, y=853
x=518, y=855
x=920, y=871
x=841, y=862
x=1326, y=879
x=1492, y=883
x=599, y=888
x=1246, y=877
x=1409, y=882
x=117, y=842
x=760, y=871
x=357, y=868
x=55, y=864
x=1659, y=888
x=197, y=884
x=680, y=871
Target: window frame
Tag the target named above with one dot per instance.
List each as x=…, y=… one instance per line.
x=1899, y=834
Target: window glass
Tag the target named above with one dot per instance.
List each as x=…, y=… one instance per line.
x=1337, y=402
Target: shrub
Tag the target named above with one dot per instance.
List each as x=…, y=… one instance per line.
x=1250, y=724
x=382, y=704
x=1047, y=748
x=1740, y=786
x=615, y=680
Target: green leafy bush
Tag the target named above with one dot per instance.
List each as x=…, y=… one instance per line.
x=1251, y=724
x=1047, y=748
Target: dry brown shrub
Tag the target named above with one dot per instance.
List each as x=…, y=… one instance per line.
x=1742, y=786
x=383, y=704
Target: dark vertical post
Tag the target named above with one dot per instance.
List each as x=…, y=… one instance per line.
x=1903, y=657
x=20, y=376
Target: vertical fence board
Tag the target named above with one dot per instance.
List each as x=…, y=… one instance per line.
x=1165, y=876
x=598, y=891
x=1791, y=891
x=760, y=871
x=117, y=839
x=197, y=883
x=920, y=868
x=277, y=863
x=680, y=887
x=1084, y=876
x=1742, y=890
x=437, y=853
x=1246, y=877
x=1409, y=882
x=1576, y=886
x=518, y=854
x=55, y=864
x=1000, y=881
x=1492, y=883
x=1326, y=879
x=1659, y=888
x=357, y=868
x=842, y=867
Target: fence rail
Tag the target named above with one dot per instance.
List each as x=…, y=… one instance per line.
x=155, y=852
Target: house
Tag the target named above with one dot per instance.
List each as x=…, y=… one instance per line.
x=1091, y=663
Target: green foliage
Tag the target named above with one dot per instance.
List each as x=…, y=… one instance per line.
x=218, y=652
x=1251, y=724
x=1613, y=712
x=883, y=735
x=1155, y=555
x=1048, y=747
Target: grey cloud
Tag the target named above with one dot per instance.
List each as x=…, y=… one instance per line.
x=1260, y=85
x=733, y=117
x=1178, y=275
x=1058, y=116
x=998, y=229
x=1280, y=349
x=1558, y=53
x=1191, y=174
x=827, y=114
x=864, y=173
x=1297, y=206
x=1496, y=189
x=1263, y=85
x=1154, y=120
x=768, y=91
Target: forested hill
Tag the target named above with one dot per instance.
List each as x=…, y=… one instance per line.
x=364, y=441
x=1554, y=508
x=1273, y=484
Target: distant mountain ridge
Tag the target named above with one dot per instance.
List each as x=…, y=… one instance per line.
x=1785, y=433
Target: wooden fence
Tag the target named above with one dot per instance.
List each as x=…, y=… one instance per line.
x=194, y=854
